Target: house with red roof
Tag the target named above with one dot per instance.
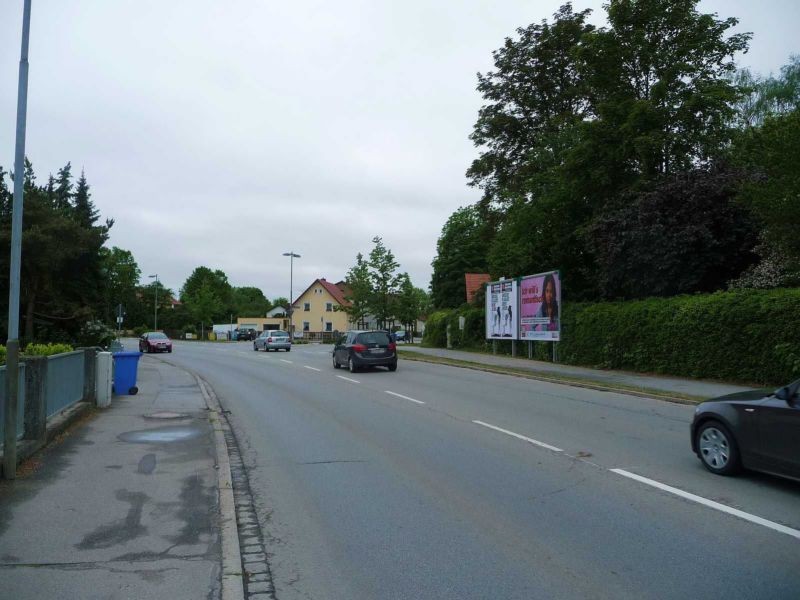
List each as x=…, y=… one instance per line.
x=318, y=311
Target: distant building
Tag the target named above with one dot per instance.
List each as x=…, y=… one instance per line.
x=474, y=282
x=317, y=312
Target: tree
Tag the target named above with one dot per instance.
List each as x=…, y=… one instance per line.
x=61, y=280
x=205, y=306
x=409, y=303
x=122, y=276
x=771, y=153
x=359, y=284
x=686, y=234
x=216, y=285
x=461, y=249
x=765, y=97
x=84, y=210
x=280, y=301
x=382, y=267
x=250, y=302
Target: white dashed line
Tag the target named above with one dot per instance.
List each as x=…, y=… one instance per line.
x=710, y=503
x=404, y=397
x=521, y=437
x=312, y=368
x=286, y=361
x=347, y=379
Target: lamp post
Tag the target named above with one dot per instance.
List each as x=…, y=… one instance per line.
x=155, y=303
x=12, y=345
x=291, y=256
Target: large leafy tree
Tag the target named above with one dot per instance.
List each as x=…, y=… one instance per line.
x=382, y=271
x=686, y=234
x=208, y=294
x=122, y=276
x=410, y=302
x=249, y=302
x=359, y=294
x=462, y=247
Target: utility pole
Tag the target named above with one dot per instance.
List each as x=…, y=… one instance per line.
x=155, y=303
x=12, y=345
x=290, y=310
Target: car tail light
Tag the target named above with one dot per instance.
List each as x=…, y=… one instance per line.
x=359, y=348
x=392, y=346
x=269, y=340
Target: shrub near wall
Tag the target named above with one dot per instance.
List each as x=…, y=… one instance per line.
x=747, y=335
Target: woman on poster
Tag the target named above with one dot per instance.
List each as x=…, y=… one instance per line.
x=549, y=307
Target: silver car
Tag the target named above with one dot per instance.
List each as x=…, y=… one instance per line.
x=272, y=340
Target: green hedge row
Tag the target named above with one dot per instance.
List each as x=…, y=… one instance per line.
x=750, y=336
x=38, y=350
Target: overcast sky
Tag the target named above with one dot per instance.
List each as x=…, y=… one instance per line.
x=226, y=133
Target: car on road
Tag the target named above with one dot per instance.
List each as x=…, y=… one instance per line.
x=358, y=349
x=399, y=336
x=155, y=341
x=272, y=340
x=758, y=430
x=246, y=334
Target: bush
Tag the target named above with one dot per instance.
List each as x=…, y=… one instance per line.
x=45, y=349
x=95, y=333
x=743, y=335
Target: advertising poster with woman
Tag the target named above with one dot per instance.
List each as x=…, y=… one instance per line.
x=540, y=305
x=501, y=310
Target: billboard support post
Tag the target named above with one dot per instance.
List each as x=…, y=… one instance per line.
x=494, y=346
x=513, y=347
x=555, y=352
x=530, y=349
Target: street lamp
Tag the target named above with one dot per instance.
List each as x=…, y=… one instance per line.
x=12, y=345
x=155, y=303
x=291, y=256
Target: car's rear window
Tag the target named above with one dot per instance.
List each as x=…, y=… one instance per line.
x=373, y=337
x=279, y=334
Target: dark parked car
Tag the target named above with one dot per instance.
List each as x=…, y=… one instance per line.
x=246, y=334
x=758, y=430
x=358, y=349
x=155, y=341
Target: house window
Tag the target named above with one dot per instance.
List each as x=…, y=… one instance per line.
x=307, y=306
x=306, y=326
x=329, y=307
x=328, y=326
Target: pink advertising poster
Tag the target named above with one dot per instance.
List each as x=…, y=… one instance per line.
x=540, y=306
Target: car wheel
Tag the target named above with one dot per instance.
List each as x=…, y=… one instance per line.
x=393, y=367
x=336, y=364
x=717, y=449
x=288, y=349
x=350, y=365
x=255, y=348
x=169, y=351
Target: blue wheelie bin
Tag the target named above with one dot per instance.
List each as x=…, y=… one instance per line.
x=125, y=367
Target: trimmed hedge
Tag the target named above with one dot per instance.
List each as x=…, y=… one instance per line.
x=37, y=350
x=746, y=335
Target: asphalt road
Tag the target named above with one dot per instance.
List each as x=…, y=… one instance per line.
x=439, y=482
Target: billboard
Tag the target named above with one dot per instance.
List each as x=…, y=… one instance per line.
x=501, y=310
x=540, y=307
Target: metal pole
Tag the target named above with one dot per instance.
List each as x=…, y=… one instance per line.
x=155, y=308
x=291, y=308
x=12, y=346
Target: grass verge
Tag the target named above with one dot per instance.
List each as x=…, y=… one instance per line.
x=551, y=377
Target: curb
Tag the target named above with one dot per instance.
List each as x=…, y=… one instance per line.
x=533, y=375
x=232, y=576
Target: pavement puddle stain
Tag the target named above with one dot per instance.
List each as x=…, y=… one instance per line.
x=160, y=435
x=121, y=531
x=147, y=464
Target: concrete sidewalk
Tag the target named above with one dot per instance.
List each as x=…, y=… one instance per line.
x=664, y=384
x=125, y=505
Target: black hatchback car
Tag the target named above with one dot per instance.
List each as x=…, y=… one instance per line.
x=758, y=430
x=359, y=349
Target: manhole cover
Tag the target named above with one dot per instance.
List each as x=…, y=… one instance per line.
x=166, y=415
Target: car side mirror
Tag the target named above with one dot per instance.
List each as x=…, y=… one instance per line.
x=783, y=394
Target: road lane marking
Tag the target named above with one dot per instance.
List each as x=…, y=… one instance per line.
x=521, y=437
x=347, y=379
x=286, y=361
x=404, y=397
x=312, y=368
x=710, y=503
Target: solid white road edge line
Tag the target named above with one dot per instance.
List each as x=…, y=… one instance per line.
x=286, y=361
x=710, y=503
x=312, y=368
x=404, y=397
x=522, y=437
x=347, y=379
